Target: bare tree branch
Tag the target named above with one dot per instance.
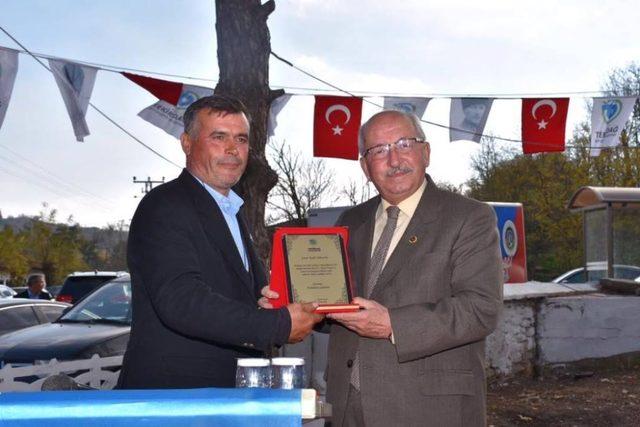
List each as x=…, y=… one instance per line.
x=356, y=192
x=302, y=184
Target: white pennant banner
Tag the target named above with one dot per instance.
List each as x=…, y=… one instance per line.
x=468, y=117
x=165, y=116
x=276, y=106
x=416, y=106
x=168, y=117
x=8, y=71
x=608, y=118
x=75, y=83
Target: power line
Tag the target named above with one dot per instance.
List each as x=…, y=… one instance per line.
x=36, y=168
x=91, y=104
x=43, y=184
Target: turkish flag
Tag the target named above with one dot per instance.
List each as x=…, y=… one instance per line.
x=543, y=124
x=336, y=120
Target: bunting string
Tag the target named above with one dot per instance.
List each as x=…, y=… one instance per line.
x=305, y=90
x=543, y=114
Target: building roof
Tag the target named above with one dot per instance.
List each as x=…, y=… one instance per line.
x=590, y=197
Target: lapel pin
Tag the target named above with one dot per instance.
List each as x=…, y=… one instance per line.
x=413, y=239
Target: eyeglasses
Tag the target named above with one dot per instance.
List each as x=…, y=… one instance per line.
x=381, y=151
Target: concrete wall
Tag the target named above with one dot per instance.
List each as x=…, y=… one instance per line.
x=556, y=330
x=588, y=326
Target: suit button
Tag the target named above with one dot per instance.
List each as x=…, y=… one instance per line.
x=349, y=363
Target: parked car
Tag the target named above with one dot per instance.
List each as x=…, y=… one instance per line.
x=80, y=283
x=6, y=292
x=54, y=290
x=99, y=324
x=578, y=275
x=20, y=313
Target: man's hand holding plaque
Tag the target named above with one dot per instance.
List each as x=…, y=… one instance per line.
x=311, y=265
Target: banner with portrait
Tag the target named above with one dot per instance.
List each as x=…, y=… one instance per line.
x=468, y=117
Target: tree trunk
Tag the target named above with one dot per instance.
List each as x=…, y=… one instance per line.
x=243, y=58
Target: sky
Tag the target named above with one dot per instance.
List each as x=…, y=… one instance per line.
x=413, y=48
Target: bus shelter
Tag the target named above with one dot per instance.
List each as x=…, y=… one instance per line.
x=611, y=224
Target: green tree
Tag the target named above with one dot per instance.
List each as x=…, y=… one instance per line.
x=544, y=183
x=12, y=258
x=54, y=249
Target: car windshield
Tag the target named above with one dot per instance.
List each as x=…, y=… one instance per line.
x=109, y=304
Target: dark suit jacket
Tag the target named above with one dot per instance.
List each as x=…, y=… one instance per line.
x=443, y=288
x=43, y=295
x=194, y=305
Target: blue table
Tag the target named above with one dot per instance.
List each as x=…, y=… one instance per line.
x=114, y=408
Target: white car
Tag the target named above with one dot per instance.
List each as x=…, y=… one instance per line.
x=6, y=292
x=577, y=275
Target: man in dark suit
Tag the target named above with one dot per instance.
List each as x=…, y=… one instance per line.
x=35, y=288
x=195, y=275
x=427, y=267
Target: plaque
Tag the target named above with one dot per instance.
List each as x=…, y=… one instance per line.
x=311, y=265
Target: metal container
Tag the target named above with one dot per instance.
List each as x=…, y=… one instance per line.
x=287, y=372
x=253, y=373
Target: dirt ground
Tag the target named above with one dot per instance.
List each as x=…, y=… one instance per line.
x=585, y=398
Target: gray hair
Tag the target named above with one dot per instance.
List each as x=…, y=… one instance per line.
x=33, y=277
x=415, y=121
x=220, y=103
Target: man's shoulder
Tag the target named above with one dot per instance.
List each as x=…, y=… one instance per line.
x=450, y=197
x=457, y=204
x=169, y=200
x=168, y=189
x=167, y=194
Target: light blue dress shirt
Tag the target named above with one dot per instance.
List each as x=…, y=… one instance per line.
x=230, y=205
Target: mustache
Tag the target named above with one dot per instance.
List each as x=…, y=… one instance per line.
x=398, y=170
x=229, y=160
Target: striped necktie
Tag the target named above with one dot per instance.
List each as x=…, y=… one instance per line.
x=375, y=268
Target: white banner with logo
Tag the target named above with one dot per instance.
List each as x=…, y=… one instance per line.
x=8, y=71
x=415, y=105
x=165, y=116
x=75, y=82
x=168, y=117
x=274, y=109
x=191, y=94
x=608, y=118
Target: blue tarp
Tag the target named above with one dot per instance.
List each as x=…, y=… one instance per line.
x=114, y=408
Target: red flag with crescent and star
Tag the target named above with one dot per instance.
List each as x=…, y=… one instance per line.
x=336, y=120
x=543, y=124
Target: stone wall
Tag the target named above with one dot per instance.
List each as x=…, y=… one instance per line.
x=511, y=347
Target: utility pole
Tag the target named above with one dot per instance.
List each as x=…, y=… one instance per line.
x=148, y=184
